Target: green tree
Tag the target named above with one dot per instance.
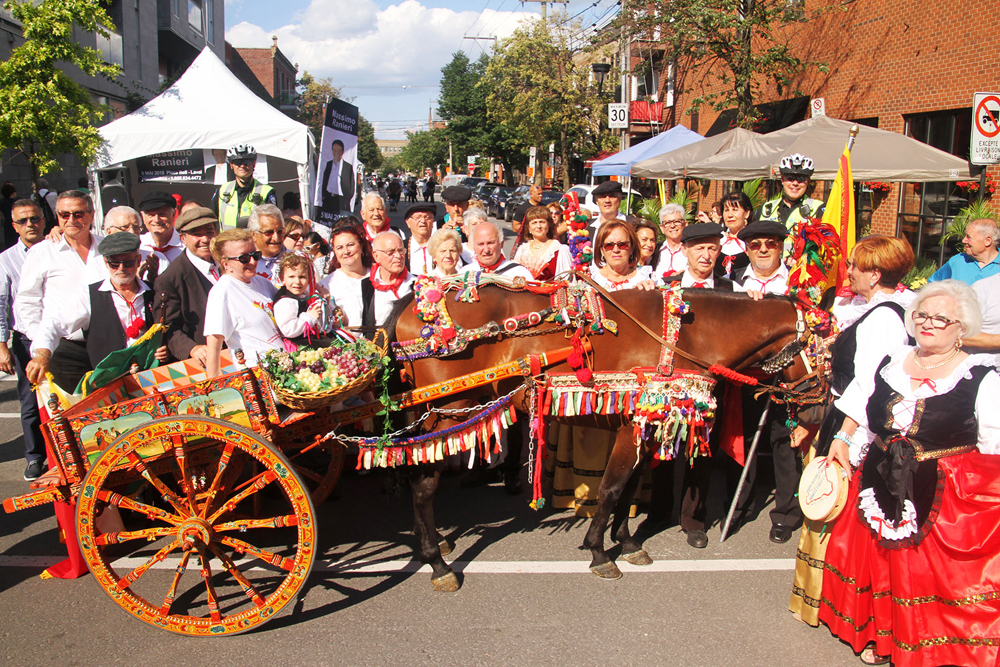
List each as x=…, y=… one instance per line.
x=42, y=111
x=368, y=151
x=313, y=96
x=740, y=44
x=427, y=148
x=538, y=91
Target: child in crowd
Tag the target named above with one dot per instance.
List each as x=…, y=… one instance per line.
x=298, y=308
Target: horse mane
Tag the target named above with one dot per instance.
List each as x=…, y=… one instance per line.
x=396, y=313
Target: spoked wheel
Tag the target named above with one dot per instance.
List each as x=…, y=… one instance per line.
x=194, y=557
x=318, y=464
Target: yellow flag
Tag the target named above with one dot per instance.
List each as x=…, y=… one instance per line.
x=840, y=215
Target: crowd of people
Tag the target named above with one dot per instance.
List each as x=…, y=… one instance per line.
x=906, y=572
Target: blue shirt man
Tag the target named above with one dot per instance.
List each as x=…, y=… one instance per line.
x=981, y=258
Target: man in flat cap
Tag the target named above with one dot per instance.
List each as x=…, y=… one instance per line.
x=766, y=274
x=158, y=210
x=702, y=244
x=113, y=314
x=127, y=219
x=456, y=203
x=608, y=198
x=420, y=221
x=182, y=290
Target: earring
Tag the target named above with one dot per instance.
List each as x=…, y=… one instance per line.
x=870, y=285
x=958, y=344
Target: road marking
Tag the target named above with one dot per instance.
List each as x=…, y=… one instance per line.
x=470, y=567
x=10, y=415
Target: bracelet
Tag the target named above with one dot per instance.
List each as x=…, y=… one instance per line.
x=43, y=353
x=844, y=437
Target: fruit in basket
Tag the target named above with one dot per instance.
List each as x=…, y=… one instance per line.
x=322, y=369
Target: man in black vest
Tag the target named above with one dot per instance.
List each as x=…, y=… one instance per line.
x=182, y=290
x=113, y=314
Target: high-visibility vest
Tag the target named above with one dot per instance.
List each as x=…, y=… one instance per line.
x=229, y=213
x=807, y=208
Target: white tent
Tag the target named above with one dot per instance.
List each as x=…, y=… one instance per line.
x=208, y=108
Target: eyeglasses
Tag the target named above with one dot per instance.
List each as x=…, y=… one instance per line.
x=127, y=263
x=33, y=220
x=757, y=244
x=76, y=215
x=795, y=178
x=295, y=236
x=672, y=223
x=621, y=245
x=937, y=321
x=246, y=257
x=271, y=232
x=243, y=163
x=395, y=251
x=113, y=229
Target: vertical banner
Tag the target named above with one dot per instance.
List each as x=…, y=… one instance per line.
x=336, y=188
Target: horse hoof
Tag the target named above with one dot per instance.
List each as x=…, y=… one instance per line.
x=447, y=583
x=607, y=570
x=445, y=547
x=639, y=557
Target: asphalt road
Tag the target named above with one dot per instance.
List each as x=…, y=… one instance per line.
x=527, y=596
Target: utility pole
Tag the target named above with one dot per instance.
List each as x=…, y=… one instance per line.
x=545, y=3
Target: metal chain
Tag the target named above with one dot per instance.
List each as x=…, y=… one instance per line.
x=531, y=433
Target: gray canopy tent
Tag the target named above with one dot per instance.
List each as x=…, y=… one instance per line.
x=674, y=164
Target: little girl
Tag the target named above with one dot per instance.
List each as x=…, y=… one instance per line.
x=298, y=308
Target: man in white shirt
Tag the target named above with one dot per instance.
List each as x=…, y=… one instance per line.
x=114, y=313
x=702, y=244
x=608, y=197
x=767, y=274
x=420, y=219
x=268, y=227
x=53, y=273
x=159, y=209
x=673, y=219
x=488, y=244
x=388, y=282
x=182, y=290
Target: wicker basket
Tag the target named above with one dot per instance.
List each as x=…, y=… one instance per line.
x=313, y=400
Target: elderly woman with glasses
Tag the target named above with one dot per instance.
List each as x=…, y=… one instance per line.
x=916, y=549
x=238, y=311
x=673, y=219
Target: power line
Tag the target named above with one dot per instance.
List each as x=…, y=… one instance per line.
x=491, y=19
x=478, y=16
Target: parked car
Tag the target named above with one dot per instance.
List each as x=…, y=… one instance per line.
x=587, y=200
x=520, y=196
x=497, y=200
x=472, y=181
x=483, y=191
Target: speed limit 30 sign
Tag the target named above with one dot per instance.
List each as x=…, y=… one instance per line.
x=985, y=143
x=618, y=116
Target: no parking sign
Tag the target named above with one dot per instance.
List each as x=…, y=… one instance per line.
x=985, y=146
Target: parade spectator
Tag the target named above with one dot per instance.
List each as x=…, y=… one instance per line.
x=470, y=220
x=872, y=326
x=792, y=205
x=608, y=197
x=295, y=235
x=113, y=314
x=268, y=228
x=352, y=263
x=649, y=249
x=187, y=206
x=517, y=220
x=46, y=200
x=317, y=249
x=980, y=259
x=488, y=244
x=375, y=217
x=702, y=245
x=914, y=550
x=127, y=219
x=293, y=313
x=237, y=198
x=429, y=185
x=338, y=180
x=420, y=221
x=673, y=219
x=182, y=290
x=238, y=312
x=736, y=212
x=52, y=275
x=456, y=203
x=15, y=347
x=559, y=222
x=539, y=251
x=445, y=248
x=387, y=282
x=713, y=214
x=8, y=195
x=291, y=205
x=159, y=209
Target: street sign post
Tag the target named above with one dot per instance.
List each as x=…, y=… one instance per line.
x=985, y=142
x=618, y=116
x=818, y=106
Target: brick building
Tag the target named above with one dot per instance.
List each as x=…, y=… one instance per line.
x=900, y=66
x=275, y=74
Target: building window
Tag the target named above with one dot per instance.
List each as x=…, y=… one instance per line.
x=926, y=210
x=111, y=48
x=175, y=5
x=194, y=14
x=210, y=21
x=645, y=82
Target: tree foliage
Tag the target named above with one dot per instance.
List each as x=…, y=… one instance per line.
x=537, y=91
x=737, y=43
x=313, y=96
x=43, y=112
x=427, y=148
x=368, y=152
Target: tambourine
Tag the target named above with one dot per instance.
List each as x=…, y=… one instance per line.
x=823, y=489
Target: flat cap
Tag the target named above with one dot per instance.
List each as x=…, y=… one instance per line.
x=197, y=216
x=121, y=243
x=701, y=230
x=456, y=193
x=422, y=207
x=607, y=188
x=156, y=199
x=762, y=228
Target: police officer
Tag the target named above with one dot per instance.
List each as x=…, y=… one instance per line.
x=235, y=199
x=792, y=205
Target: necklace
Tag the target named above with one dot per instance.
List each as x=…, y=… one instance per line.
x=927, y=368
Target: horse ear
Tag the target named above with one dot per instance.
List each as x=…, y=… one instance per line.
x=826, y=303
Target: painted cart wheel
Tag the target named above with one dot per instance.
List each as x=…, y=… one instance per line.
x=195, y=558
x=319, y=465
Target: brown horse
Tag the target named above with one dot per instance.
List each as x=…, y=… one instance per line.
x=728, y=329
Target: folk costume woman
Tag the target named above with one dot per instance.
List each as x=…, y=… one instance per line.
x=736, y=211
x=649, y=249
x=578, y=455
x=915, y=551
x=352, y=262
x=445, y=248
x=539, y=251
x=872, y=326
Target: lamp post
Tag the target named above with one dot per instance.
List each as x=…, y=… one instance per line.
x=600, y=71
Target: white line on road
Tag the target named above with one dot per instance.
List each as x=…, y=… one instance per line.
x=471, y=567
x=9, y=415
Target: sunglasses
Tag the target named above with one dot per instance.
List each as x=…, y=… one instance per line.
x=127, y=263
x=795, y=178
x=621, y=245
x=247, y=257
x=270, y=232
x=295, y=236
x=76, y=215
x=243, y=163
x=757, y=244
x=33, y=220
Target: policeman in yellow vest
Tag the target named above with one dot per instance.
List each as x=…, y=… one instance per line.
x=792, y=205
x=235, y=199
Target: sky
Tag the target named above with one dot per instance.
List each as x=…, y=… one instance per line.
x=386, y=55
